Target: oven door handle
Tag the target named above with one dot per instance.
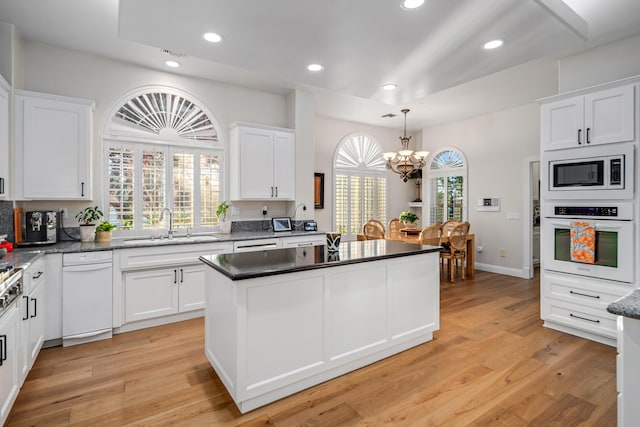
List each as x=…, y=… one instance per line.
x=599, y=226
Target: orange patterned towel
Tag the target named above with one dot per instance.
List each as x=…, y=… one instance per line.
x=583, y=242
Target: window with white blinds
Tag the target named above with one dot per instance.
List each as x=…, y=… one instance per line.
x=162, y=151
x=360, y=184
x=189, y=184
x=447, y=192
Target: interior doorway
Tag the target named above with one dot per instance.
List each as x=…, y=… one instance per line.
x=532, y=216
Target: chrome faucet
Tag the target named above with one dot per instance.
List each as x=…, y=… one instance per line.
x=171, y=230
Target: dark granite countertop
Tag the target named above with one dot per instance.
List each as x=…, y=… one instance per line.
x=250, y=265
x=145, y=242
x=628, y=306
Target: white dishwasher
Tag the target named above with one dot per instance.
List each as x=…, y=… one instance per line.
x=87, y=297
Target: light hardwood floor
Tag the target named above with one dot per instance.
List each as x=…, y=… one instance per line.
x=491, y=364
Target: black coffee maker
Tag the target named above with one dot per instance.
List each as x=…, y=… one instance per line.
x=41, y=227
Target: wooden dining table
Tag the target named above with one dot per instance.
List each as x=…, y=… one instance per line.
x=412, y=235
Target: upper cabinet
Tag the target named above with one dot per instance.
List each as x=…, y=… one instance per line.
x=600, y=117
x=262, y=162
x=5, y=91
x=53, y=147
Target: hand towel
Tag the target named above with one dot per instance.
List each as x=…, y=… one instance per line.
x=583, y=242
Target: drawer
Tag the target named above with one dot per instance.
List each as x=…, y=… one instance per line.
x=256, y=245
x=302, y=241
x=589, y=319
x=34, y=275
x=581, y=290
x=137, y=258
x=86, y=257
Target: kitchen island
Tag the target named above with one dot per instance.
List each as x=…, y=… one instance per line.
x=280, y=321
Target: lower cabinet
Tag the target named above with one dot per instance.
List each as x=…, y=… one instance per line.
x=32, y=315
x=154, y=293
x=161, y=281
x=9, y=360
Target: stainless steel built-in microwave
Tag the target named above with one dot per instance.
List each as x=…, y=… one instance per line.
x=603, y=173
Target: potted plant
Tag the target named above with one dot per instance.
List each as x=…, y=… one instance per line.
x=87, y=218
x=103, y=231
x=221, y=213
x=409, y=219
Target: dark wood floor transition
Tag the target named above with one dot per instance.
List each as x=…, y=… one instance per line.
x=492, y=363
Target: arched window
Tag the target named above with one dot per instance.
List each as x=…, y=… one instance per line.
x=360, y=183
x=161, y=151
x=447, y=176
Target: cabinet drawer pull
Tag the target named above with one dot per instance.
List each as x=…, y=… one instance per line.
x=3, y=348
x=583, y=318
x=37, y=275
x=585, y=295
x=579, y=136
x=27, y=305
x=305, y=244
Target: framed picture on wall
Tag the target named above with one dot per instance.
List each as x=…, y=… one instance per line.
x=318, y=190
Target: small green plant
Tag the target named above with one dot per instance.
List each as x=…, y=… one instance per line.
x=89, y=215
x=221, y=212
x=105, y=226
x=408, y=217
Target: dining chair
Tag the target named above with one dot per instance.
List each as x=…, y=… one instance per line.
x=394, y=227
x=431, y=235
x=457, y=250
x=447, y=227
x=373, y=229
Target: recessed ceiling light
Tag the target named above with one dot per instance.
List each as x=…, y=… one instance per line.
x=172, y=64
x=315, y=67
x=412, y=4
x=493, y=44
x=389, y=86
x=212, y=37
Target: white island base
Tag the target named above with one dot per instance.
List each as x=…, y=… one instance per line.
x=269, y=337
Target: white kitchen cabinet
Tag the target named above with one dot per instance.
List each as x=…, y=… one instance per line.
x=628, y=371
x=163, y=281
x=601, y=117
x=160, y=292
x=9, y=360
x=53, y=147
x=33, y=317
x=578, y=305
x=262, y=162
x=5, y=91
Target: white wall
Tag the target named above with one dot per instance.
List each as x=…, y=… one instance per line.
x=495, y=146
x=603, y=64
x=328, y=134
x=64, y=72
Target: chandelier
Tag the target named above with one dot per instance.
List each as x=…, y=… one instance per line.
x=405, y=161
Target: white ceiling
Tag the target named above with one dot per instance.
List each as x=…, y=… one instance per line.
x=433, y=53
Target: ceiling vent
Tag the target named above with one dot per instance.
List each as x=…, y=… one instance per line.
x=174, y=54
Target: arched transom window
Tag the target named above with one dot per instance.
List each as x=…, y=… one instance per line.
x=162, y=151
x=360, y=183
x=447, y=186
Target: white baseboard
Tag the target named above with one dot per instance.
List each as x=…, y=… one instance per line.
x=521, y=273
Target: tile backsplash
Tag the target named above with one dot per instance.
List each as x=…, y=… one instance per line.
x=6, y=220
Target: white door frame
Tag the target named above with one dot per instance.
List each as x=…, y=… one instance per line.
x=527, y=231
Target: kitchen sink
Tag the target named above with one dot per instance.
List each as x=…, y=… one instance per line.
x=164, y=240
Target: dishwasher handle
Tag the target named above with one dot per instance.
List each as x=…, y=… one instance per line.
x=86, y=267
